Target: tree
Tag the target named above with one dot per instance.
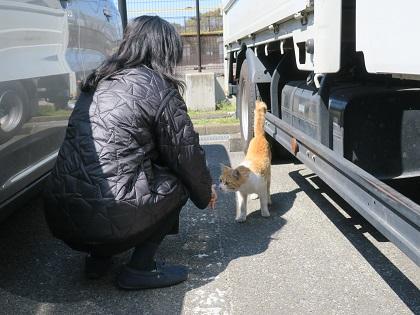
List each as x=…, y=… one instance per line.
x=210, y=21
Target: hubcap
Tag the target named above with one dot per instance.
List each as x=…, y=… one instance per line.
x=11, y=110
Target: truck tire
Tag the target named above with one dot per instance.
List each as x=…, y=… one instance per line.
x=14, y=109
x=245, y=102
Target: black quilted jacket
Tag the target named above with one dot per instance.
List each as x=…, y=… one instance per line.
x=130, y=156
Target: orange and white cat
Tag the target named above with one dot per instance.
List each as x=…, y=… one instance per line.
x=253, y=175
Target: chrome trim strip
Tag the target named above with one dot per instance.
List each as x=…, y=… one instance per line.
x=19, y=176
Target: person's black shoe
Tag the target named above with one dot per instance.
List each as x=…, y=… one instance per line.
x=161, y=276
x=97, y=267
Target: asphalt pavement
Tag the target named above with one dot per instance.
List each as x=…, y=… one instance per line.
x=314, y=255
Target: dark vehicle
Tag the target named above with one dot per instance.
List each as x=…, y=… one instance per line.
x=46, y=48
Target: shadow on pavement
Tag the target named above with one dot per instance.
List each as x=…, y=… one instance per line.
x=39, y=272
x=400, y=284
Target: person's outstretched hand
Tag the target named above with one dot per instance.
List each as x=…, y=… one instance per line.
x=213, y=199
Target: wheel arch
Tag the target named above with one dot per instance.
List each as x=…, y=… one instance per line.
x=240, y=58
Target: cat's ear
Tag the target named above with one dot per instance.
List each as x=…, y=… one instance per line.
x=236, y=174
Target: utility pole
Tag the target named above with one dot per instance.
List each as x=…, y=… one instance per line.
x=197, y=13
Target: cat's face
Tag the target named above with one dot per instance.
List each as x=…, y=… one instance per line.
x=231, y=179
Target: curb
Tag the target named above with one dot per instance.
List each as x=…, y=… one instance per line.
x=204, y=130
x=235, y=143
x=197, y=116
x=217, y=129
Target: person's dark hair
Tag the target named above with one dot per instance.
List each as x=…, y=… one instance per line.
x=149, y=41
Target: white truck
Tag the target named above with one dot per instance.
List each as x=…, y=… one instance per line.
x=341, y=79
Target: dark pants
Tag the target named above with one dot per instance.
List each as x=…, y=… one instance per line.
x=154, y=234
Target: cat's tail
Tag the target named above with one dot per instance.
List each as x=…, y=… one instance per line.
x=259, y=118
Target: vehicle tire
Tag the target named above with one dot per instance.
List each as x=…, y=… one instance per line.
x=245, y=102
x=14, y=109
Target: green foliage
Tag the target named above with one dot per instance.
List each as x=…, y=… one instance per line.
x=49, y=110
x=222, y=107
x=210, y=21
x=226, y=106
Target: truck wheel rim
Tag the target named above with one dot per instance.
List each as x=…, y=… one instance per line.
x=244, y=114
x=11, y=111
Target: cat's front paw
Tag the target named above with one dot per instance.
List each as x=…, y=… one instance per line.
x=240, y=219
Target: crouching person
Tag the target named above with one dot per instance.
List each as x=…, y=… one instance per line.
x=130, y=160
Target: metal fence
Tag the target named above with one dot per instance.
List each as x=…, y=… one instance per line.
x=183, y=15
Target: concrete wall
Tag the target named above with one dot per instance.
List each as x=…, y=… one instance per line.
x=220, y=91
x=203, y=90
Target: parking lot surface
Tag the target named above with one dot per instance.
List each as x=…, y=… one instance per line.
x=313, y=255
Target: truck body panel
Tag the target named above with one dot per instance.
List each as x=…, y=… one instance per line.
x=386, y=33
x=245, y=17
